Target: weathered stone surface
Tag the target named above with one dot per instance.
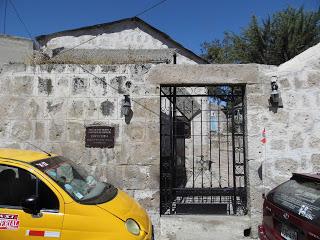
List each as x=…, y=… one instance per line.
x=108, y=108
x=135, y=132
x=57, y=131
x=76, y=131
x=21, y=130
x=296, y=141
x=61, y=87
x=4, y=129
x=40, y=131
x=119, y=84
x=18, y=85
x=79, y=86
x=284, y=83
x=133, y=177
x=76, y=109
x=147, y=108
x=286, y=165
x=45, y=86
x=313, y=80
x=99, y=87
x=91, y=109
x=56, y=109
x=315, y=160
x=278, y=145
x=314, y=142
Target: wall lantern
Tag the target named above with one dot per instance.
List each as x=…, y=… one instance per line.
x=275, y=100
x=126, y=110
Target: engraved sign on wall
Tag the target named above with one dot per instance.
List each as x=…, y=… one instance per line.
x=100, y=137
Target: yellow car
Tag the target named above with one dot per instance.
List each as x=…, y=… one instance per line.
x=48, y=196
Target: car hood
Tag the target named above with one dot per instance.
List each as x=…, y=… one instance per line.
x=125, y=207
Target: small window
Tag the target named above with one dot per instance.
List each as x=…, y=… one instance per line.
x=17, y=184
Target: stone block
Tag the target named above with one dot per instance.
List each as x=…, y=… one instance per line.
x=286, y=165
x=133, y=176
x=153, y=179
x=315, y=160
x=147, y=108
x=40, y=131
x=4, y=128
x=143, y=153
x=313, y=80
x=61, y=86
x=75, y=109
x=56, y=109
x=79, y=86
x=91, y=109
x=314, y=142
x=98, y=87
x=20, y=85
x=284, y=83
x=76, y=131
x=138, y=72
x=139, y=90
x=108, y=109
x=21, y=130
x=297, y=141
x=45, y=86
x=57, y=131
x=278, y=145
x=119, y=85
x=135, y=132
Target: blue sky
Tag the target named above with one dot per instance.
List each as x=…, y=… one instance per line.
x=189, y=22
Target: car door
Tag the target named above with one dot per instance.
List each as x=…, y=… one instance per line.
x=17, y=184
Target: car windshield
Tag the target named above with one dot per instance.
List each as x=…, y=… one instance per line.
x=81, y=186
x=300, y=197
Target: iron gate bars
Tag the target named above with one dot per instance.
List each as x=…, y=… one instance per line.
x=202, y=165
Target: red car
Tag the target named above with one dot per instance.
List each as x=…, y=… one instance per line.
x=291, y=211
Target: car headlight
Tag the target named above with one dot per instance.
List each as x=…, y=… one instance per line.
x=132, y=226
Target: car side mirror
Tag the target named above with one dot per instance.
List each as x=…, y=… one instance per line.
x=31, y=205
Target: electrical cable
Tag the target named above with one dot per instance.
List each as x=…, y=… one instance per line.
x=21, y=20
x=150, y=8
x=5, y=16
x=70, y=49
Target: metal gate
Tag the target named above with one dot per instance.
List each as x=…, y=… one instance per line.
x=203, y=167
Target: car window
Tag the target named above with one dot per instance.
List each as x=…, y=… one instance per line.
x=81, y=186
x=300, y=197
x=17, y=184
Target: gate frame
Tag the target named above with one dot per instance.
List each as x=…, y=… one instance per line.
x=245, y=192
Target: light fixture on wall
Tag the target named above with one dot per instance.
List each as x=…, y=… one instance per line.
x=126, y=110
x=275, y=100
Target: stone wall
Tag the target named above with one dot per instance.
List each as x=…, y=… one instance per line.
x=15, y=50
x=50, y=105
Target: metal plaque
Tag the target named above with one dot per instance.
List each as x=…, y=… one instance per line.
x=100, y=137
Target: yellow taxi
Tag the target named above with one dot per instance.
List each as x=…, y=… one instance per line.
x=45, y=196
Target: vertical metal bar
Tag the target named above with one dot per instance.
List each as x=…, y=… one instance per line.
x=234, y=158
x=219, y=146
x=174, y=137
x=192, y=146
x=244, y=145
x=171, y=150
x=201, y=154
x=161, y=160
x=228, y=153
